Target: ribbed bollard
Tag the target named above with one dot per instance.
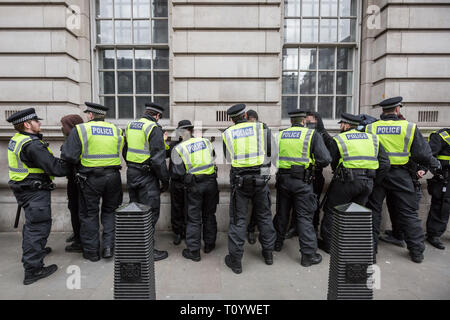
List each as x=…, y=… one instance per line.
x=351, y=253
x=134, y=267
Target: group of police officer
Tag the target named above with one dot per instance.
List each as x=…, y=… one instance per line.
x=369, y=163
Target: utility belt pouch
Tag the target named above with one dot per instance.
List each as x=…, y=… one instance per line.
x=260, y=181
x=298, y=172
x=309, y=176
x=189, y=180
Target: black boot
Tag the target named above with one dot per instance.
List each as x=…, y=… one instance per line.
x=268, y=257
x=177, y=239
x=35, y=275
x=71, y=238
x=292, y=232
x=47, y=250
x=159, y=255
x=234, y=265
x=251, y=236
x=389, y=238
x=278, y=245
x=209, y=247
x=108, y=253
x=310, y=259
x=416, y=257
x=193, y=255
x=436, y=242
x=94, y=257
x=74, y=247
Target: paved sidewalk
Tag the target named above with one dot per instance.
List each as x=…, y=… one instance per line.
x=178, y=278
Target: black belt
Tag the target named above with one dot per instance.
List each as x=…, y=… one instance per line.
x=204, y=177
x=362, y=172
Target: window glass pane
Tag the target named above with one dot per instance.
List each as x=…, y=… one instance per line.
x=141, y=8
x=308, y=103
x=143, y=82
x=290, y=82
x=161, y=82
x=326, y=58
x=292, y=30
x=344, y=82
x=308, y=58
x=328, y=30
x=326, y=82
x=310, y=32
x=329, y=8
x=310, y=8
x=105, y=31
x=141, y=31
x=123, y=31
x=290, y=59
x=344, y=58
x=325, y=107
x=143, y=59
x=104, y=8
x=122, y=8
x=292, y=8
x=109, y=102
x=124, y=59
x=107, y=83
x=160, y=31
x=347, y=8
x=164, y=102
x=126, y=107
x=140, y=105
x=287, y=104
x=125, y=81
x=106, y=59
x=347, y=30
x=159, y=8
x=307, y=82
x=161, y=59
x=343, y=104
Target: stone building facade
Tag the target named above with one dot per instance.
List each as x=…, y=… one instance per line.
x=198, y=57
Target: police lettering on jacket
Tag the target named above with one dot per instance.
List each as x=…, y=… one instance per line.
x=389, y=130
x=291, y=135
x=101, y=131
x=354, y=136
x=11, y=145
x=197, y=146
x=136, y=125
x=242, y=132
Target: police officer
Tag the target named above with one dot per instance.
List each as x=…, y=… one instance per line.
x=248, y=146
x=297, y=146
x=401, y=140
x=193, y=161
x=439, y=188
x=358, y=159
x=146, y=160
x=31, y=167
x=177, y=193
x=95, y=148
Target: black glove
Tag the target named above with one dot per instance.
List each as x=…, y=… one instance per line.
x=164, y=186
x=320, y=127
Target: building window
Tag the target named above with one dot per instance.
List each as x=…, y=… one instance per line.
x=318, y=56
x=133, y=55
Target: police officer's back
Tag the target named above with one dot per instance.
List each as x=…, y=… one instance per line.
x=31, y=167
x=402, y=140
x=297, y=147
x=248, y=146
x=439, y=188
x=95, y=148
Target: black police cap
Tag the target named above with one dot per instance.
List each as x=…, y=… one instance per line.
x=184, y=124
x=23, y=115
x=294, y=113
x=391, y=102
x=154, y=107
x=236, y=110
x=96, y=108
x=350, y=118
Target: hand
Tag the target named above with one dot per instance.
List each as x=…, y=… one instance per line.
x=165, y=186
x=166, y=135
x=420, y=174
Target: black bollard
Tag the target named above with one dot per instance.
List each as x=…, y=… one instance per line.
x=351, y=253
x=134, y=267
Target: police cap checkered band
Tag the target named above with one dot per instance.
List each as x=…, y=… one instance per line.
x=26, y=118
x=236, y=110
x=95, y=110
x=23, y=115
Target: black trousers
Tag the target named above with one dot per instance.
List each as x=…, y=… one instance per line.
x=399, y=187
x=143, y=187
x=251, y=227
x=108, y=189
x=202, y=200
x=38, y=222
x=73, y=205
x=177, y=207
x=239, y=198
x=440, y=208
x=297, y=195
x=356, y=191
